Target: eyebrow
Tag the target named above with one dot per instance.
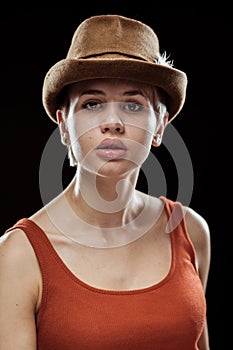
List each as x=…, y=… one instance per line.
x=100, y=92
x=133, y=92
x=92, y=92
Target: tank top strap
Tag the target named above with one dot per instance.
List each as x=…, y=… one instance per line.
x=177, y=227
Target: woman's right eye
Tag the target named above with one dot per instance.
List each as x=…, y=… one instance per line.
x=92, y=105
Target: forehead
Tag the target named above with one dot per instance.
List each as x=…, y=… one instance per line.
x=118, y=86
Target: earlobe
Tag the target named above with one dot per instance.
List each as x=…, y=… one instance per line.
x=157, y=139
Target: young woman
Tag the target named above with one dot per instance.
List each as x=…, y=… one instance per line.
x=104, y=265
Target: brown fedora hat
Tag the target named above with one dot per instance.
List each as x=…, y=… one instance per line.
x=113, y=46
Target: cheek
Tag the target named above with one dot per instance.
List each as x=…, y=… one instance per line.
x=79, y=131
x=144, y=125
x=82, y=145
x=80, y=124
x=142, y=134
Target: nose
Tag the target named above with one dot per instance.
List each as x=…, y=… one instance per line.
x=112, y=122
x=112, y=127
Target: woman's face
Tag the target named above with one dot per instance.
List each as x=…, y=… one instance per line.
x=110, y=124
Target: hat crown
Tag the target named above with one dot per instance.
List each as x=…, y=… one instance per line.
x=124, y=37
x=114, y=46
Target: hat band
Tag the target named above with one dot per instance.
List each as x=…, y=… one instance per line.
x=112, y=55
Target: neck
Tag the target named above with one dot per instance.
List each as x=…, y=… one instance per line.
x=104, y=214
x=107, y=201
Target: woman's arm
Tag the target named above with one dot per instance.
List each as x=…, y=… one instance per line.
x=199, y=233
x=19, y=291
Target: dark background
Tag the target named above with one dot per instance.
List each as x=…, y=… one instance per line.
x=199, y=42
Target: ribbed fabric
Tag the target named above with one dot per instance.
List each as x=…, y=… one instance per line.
x=73, y=315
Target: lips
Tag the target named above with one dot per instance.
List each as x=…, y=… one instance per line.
x=112, y=143
x=111, y=148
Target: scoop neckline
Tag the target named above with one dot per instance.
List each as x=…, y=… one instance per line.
x=92, y=288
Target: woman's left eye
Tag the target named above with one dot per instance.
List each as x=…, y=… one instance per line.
x=132, y=107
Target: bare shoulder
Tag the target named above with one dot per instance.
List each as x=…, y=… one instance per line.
x=198, y=227
x=12, y=243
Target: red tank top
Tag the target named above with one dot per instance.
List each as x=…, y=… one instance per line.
x=73, y=315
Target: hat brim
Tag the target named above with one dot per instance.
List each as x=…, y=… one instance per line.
x=69, y=71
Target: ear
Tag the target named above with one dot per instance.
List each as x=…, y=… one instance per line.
x=65, y=139
x=157, y=139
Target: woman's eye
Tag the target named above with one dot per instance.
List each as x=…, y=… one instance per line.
x=91, y=105
x=132, y=107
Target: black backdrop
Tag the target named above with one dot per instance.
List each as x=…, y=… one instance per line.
x=198, y=40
